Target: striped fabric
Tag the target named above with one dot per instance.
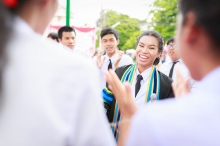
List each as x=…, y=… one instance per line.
x=128, y=76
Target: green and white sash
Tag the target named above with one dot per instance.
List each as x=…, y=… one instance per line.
x=153, y=88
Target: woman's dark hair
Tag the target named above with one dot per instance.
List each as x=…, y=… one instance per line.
x=53, y=35
x=6, y=22
x=207, y=13
x=3, y=25
x=158, y=37
x=20, y=4
x=5, y=29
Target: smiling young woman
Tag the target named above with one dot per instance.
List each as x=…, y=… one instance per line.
x=147, y=51
x=147, y=83
x=34, y=108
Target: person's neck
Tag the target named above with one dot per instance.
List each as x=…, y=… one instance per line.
x=32, y=19
x=206, y=67
x=111, y=54
x=143, y=68
x=175, y=60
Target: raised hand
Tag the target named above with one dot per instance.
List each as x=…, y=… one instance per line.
x=180, y=86
x=100, y=60
x=122, y=95
x=120, y=54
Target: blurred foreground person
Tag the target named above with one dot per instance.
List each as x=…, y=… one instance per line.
x=46, y=94
x=194, y=118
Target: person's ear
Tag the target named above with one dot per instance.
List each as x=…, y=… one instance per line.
x=195, y=36
x=59, y=40
x=191, y=29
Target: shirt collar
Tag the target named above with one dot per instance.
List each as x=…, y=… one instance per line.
x=179, y=61
x=144, y=74
x=113, y=58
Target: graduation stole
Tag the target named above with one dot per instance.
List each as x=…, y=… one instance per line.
x=153, y=88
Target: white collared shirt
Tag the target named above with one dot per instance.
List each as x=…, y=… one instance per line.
x=165, y=68
x=141, y=95
x=50, y=95
x=125, y=60
x=76, y=51
x=82, y=53
x=191, y=120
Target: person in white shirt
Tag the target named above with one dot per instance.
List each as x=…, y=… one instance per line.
x=169, y=67
x=193, y=118
x=47, y=97
x=164, y=56
x=114, y=58
x=67, y=36
x=148, y=84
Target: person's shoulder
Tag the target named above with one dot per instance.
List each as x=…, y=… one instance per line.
x=165, y=77
x=51, y=52
x=182, y=65
x=165, y=67
x=120, y=71
x=165, y=64
x=183, y=113
x=33, y=46
x=164, y=110
x=82, y=53
x=123, y=68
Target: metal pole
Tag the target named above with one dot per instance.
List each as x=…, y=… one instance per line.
x=67, y=12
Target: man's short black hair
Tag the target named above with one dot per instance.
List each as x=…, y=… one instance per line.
x=53, y=35
x=170, y=40
x=109, y=30
x=65, y=29
x=207, y=14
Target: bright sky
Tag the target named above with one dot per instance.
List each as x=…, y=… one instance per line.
x=88, y=11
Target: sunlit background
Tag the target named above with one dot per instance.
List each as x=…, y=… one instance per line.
x=128, y=17
x=86, y=12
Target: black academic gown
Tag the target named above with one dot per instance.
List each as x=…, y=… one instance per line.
x=165, y=90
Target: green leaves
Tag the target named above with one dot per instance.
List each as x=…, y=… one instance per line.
x=129, y=28
x=164, y=17
x=163, y=20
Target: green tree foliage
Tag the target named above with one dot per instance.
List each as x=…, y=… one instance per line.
x=129, y=28
x=164, y=17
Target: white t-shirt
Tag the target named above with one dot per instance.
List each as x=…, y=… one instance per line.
x=191, y=120
x=76, y=51
x=50, y=95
